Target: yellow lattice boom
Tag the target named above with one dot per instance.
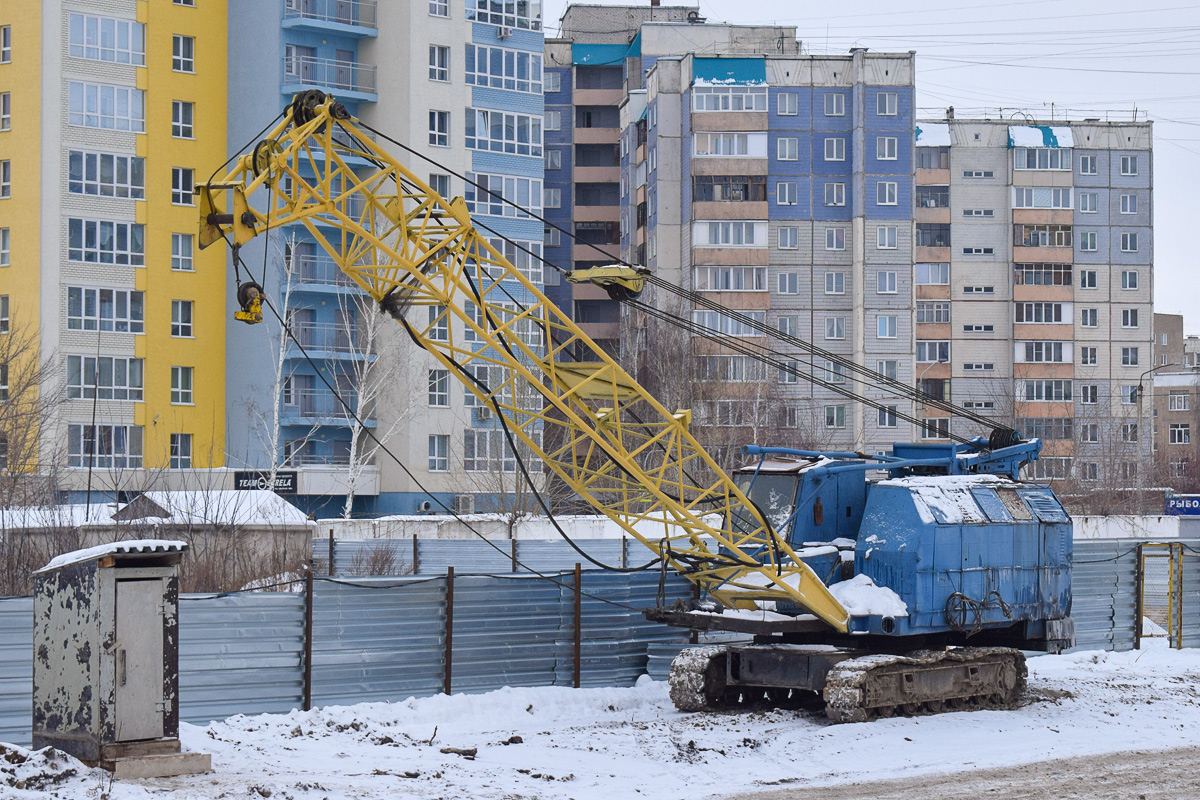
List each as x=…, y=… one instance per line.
x=565, y=401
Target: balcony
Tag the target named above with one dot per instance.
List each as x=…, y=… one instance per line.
x=330, y=338
x=317, y=271
x=348, y=80
x=321, y=407
x=348, y=17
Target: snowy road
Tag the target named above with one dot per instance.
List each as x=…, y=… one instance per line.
x=611, y=744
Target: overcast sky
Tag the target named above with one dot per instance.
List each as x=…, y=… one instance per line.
x=1081, y=57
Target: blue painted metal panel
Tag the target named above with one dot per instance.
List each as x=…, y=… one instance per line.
x=520, y=102
x=600, y=54
x=801, y=120
x=730, y=70
x=506, y=164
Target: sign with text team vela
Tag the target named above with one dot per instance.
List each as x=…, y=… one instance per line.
x=285, y=482
x=1184, y=505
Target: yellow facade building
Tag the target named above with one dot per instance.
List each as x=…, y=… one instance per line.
x=110, y=109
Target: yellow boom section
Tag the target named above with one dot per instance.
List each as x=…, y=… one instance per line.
x=586, y=419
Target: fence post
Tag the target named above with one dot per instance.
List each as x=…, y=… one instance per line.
x=1139, y=585
x=415, y=564
x=512, y=547
x=331, y=552
x=449, y=646
x=578, y=620
x=695, y=638
x=308, y=634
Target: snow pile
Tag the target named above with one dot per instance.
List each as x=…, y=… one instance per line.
x=147, y=546
x=862, y=598
x=36, y=770
x=1040, y=136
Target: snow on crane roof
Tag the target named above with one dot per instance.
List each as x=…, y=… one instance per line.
x=131, y=546
x=1040, y=136
x=933, y=134
x=947, y=499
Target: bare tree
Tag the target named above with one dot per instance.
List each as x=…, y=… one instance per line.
x=29, y=400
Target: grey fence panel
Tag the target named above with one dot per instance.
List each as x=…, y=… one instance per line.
x=1104, y=594
x=16, y=669
x=240, y=654
x=505, y=632
x=558, y=556
x=1191, y=593
x=467, y=556
x=373, y=557
x=377, y=639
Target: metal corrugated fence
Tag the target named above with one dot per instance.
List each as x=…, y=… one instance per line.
x=1104, y=594
x=16, y=669
x=474, y=556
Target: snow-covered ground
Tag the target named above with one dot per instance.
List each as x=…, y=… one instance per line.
x=605, y=744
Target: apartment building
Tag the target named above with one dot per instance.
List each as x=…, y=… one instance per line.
x=1176, y=420
x=1168, y=342
x=108, y=111
x=1034, y=273
x=781, y=186
x=460, y=83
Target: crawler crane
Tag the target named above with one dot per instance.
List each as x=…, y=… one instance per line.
x=905, y=582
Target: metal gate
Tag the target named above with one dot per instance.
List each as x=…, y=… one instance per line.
x=1160, y=581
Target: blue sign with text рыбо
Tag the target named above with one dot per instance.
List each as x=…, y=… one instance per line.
x=1184, y=505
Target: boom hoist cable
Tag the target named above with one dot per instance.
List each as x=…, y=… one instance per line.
x=421, y=258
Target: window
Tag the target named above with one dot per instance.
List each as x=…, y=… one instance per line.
x=935, y=197
x=788, y=324
x=439, y=388
x=887, y=104
x=789, y=238
x=1043, y=274
x=1088, y=356
x=183, y=53
x=1087, y=241
x=835, y=283
x=115, y=378
x=979, y=366
x=978, y=173
x=1043, y=353
x=4, y=247
x=731, y=279
x=439, y=128
x=932, y=234
x=887, y=417
x=933, y=158
x=729, y=98
x=553, y=120
x=932, y=351
x=885, y=282
x=835, y=328
x=439, y=324
x=181, y=186
x=552, y=198
x=1129, y=165
x=1089, y=394
x=1129, y=242
x=1087, y=279
x=181, y=386
x=787, y=149
x=1129, y=356
x=104, y=446
x=486, y=194
x=189, y=3
x=120, y=41
x=1179, y=402
x=835, y=416
x=552, y=81
x=554, y=159
x=1089, y=318
x=439, y=62
x=1129, y=280
x=5, y=111
x=835, y=149
x=835, y=194
x=5, y=179
x=1087, y=165
x=439, y=8
x=789, y=283
x=504, y=132
x=887, y=369
x=1129, y=395
x=835, y=104
x=789, y=372
x=935, y=428
x=732, y=144
x=1041, y=197
x=98, y=105
x=5, y=44
x=440, y=183
x=106, y=175
x=181, y=252
x=181, y=451
x=1089, y=202
x=552, y=237
x=980, y=404
x=1129, y=204
x=727, y=325
x=1041, y=158
x=787, y=104
x=1055, y=428
x=499, y=68
x=1129, y=431
x=886, y=148
x=1040, y=312
x=936, y=312
x=728, y=234
x=835, y=372
x=181, y=318
x=1179, y=433
x=979, y=328
x=487, y=451
x=3, y=313
x=1129, y=318
x=885, y=327
x=1047, y=390
x=931, y=274
x=885, y=237
x=835, y=239
x=182, y=119
x=439, y=452
x=1042, y=235
x=114, y=310
x=885, y=193
x=786, y=193
x=1089, y=432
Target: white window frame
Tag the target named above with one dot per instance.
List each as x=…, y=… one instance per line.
x=182, y=319
x=5, y=44
x=1129, y=242
x=1129, y=318
x=1129, y=204
x=1179, y=433
x=97, y=38
x=887, y=193
x=91, y=308
x=835, y=238
x=182, y=252
x=1087, y=241
x=886, y=148
x=439, y=63
x=116, y=378
x=439, y=452
x=439, y=8
x=182, y=383
x=787, y=104
x=114, y=446
x=1089, y=318
x=5, y=179
x=835, y=148
x=439, y=388
x=1087, y=165
x=787, y=148
x=439, y=128
x=885, y=326
x=835, y=416
x=835, y=282
x=885, y=282
x=787, y=193
x=930, y=279
x=835, y=194
x=482, y=122
x=518, y=70
x=887, y=104
x=183, y=53
x=835, y=104
x=885, y=237
x=789, y=237
x=788, y=283
x=183, y=119
x=1129, y=166
x=99, y=105
x=181, y=443
x=183, y=182
x=835, y=328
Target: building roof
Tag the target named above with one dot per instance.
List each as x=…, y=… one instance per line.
x=257, y=508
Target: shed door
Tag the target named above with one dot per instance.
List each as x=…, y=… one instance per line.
x=139, y=673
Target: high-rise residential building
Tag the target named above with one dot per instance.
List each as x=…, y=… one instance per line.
x=1035, y=237
x=109, y=109
x=461, y=84
x=781, y=186
x=1168, y=342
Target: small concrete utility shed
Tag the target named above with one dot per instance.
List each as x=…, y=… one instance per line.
x=106, y=658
